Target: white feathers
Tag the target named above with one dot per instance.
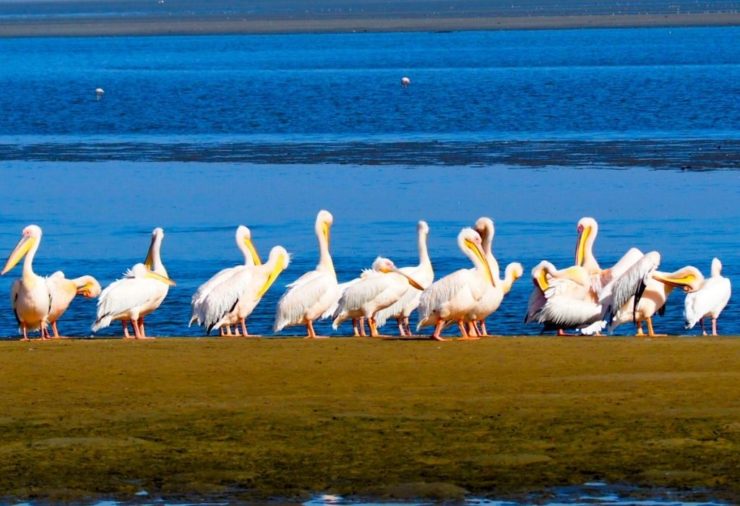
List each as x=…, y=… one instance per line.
x=710, y=299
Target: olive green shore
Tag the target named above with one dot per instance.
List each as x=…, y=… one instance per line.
x=249, y=419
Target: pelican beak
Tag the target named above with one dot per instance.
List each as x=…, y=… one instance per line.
x=279, y=267
x=25, y=244
x=583, y=234
x=411, y=280
x=163, y=279
x=149, y=261
x=541, y=280
x=327, y=231
x=252, y=251
x=688, y=281
x=478, y=253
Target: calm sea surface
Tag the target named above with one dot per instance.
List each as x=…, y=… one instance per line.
x=638, y=128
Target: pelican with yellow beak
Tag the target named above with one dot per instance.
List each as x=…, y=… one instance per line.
x=455, y=295
x=308, y=297
x=384, y=286
x=206, y=302
x=29, y=295
x=495, y=293
x=140, y=292
x=233, y=300
x=62, y=291
x=652, y=295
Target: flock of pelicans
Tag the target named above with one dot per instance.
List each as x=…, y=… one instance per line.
x=584, y=296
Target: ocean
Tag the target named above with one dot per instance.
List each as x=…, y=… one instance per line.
x=639, y=128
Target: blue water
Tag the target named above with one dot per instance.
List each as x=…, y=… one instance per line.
x=638, y=128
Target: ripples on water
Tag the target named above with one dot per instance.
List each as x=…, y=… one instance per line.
x=200, y=134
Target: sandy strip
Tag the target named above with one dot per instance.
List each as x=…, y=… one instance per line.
x=183, y=26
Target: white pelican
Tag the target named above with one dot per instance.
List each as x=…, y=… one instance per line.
x=372, y=293
x=584, y=296
x=138, y=294
x=209, y=291
x=29, y=295
x=312, y=294
x=237, y=296
x=99, y=92
x=405, y=81
x=62, y=291
x=709, y=300
x=409, y=301
x=651, y=297
x=452, y=297
x=494, y=294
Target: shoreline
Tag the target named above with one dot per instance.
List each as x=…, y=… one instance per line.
x=91, y=27
x=247, y=420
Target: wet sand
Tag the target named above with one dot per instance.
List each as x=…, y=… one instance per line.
x=244, y=419
x=224, y=25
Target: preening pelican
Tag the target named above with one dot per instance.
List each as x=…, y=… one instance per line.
x=62, y=291
x=494, y=294
x=585, y=296
x=709, y=300
x=372, y=293
x=409, y=301
x=312, y=294
x=237, y=296
x=210, y=294
x=652, y=295
x=452, y=297
x=29, y=295
x=137, y=294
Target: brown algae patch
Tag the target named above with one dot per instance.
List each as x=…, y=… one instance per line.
x=260, y=419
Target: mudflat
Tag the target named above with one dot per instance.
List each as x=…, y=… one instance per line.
x=250, y=419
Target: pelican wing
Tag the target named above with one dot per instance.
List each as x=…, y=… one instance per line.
x=200, y=296
x=14, y=298
x=329, y=313
x=225, y=296
x=122, y=296
x=710, y=298
x=61, y=291
x=303, y=295
x=630, y=283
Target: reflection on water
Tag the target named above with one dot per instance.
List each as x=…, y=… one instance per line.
x=97, y=218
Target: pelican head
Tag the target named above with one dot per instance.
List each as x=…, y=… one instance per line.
x=157, y=237
x=88, y=286
x=422, y=227
x=484, y=227
x=244, y=239
x=689, y=278
x=587, y=230
x=386, y=266
x=279, y=259
x=30, y=238
x=716, y=267
x=324, y=221
x=471, y=244
x=540, y=272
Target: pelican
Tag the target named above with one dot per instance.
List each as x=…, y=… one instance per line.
x=452, y=297
x=137, y=294
x=237, y=296
x=62, y=291
x=29, y=295
x=405, y=81
x=409, y=301
x=210, y=292
x=372, y=293
x=709, y=300
x=584, y=296
x=312, y=294
x=651, y=298
x=494, y=294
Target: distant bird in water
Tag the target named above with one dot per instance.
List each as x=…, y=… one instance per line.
x=405, y=81
x=99, y=92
